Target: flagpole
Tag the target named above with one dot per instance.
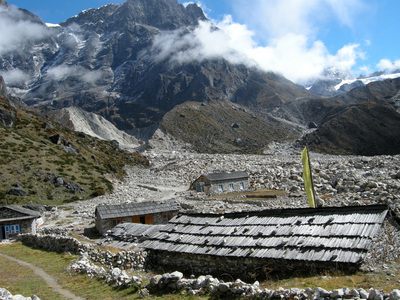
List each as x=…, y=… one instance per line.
x=307, y=176
x=311, y=176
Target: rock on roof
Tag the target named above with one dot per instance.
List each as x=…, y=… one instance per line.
x=339, y=234
x=136, y=209
x=223, y=176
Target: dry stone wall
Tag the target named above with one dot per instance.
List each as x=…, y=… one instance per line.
x=123, y=260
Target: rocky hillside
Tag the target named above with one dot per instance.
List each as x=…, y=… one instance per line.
x=43, y=162
x=224, y=127
x=359, y=129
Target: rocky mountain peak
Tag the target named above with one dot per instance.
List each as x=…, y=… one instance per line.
x=161, y=14
x=4, y=3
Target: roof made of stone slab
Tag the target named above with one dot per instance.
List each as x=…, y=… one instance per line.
x=126, y=235
x=23, y=213
x=225, y=176
x=323, y=234
x=136, y=209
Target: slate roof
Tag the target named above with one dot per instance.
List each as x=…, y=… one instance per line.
x=136, y=209
x=322, y=234
x=26, y=214
x=126, y=235
x=224, y=176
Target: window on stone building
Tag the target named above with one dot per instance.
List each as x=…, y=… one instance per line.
x=115, y=222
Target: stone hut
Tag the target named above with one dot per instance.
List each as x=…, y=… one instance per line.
x=250, y=245
x=155, y=212
x=16, y=219
x=222, y=182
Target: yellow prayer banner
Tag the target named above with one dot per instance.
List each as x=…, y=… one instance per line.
x=308, y=182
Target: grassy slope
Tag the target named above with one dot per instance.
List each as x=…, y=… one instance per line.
x=223, y=127
x=30, y=159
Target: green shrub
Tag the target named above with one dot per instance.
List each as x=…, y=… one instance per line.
x=98, y=192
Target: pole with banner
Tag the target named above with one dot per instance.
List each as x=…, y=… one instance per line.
x=307, y=176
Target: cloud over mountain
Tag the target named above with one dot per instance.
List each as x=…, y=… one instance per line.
x=282, y=36
x=17, y=29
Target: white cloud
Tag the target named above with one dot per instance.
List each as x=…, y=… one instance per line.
x=15, y=77
x=389, y=66
x=284, y=38
x=292, y=55
x=14, y=30
x=62, y=72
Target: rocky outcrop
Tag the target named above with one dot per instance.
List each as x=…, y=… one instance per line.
x=3, y=88
x=7, y=117
x=17, y=190
x=6, y=295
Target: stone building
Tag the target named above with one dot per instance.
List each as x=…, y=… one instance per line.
x=251, y=245
x=223, y=182
x=17, y=219
x=155, y=212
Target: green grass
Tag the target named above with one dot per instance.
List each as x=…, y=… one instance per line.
x=23, y=281
x=29, y=158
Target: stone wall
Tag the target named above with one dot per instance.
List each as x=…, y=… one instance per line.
x=245, y=268
x=123, y=260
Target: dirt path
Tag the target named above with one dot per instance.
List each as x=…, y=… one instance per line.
x=51, y=282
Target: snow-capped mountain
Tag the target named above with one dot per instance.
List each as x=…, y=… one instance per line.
x=136, y=62
x=130, y=63
x=337, y=83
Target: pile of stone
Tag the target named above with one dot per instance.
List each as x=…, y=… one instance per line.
x=207, y=285
x=6, y=295
x=115, y=277
x=84, y=265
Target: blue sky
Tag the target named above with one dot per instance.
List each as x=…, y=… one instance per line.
x=299, y=38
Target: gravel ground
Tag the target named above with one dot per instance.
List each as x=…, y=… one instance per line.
x=339, y=181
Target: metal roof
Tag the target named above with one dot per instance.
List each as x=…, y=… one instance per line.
x=25, y=214
x=223, y=176
x=136, y=209
x=339, y=234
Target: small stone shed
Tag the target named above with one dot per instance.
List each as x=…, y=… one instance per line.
x=222, y=182
x=155, y=212
x=16, y=219
x=250, y=245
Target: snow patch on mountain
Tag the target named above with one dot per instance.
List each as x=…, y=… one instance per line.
x=366, y=80
x=97, y=126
